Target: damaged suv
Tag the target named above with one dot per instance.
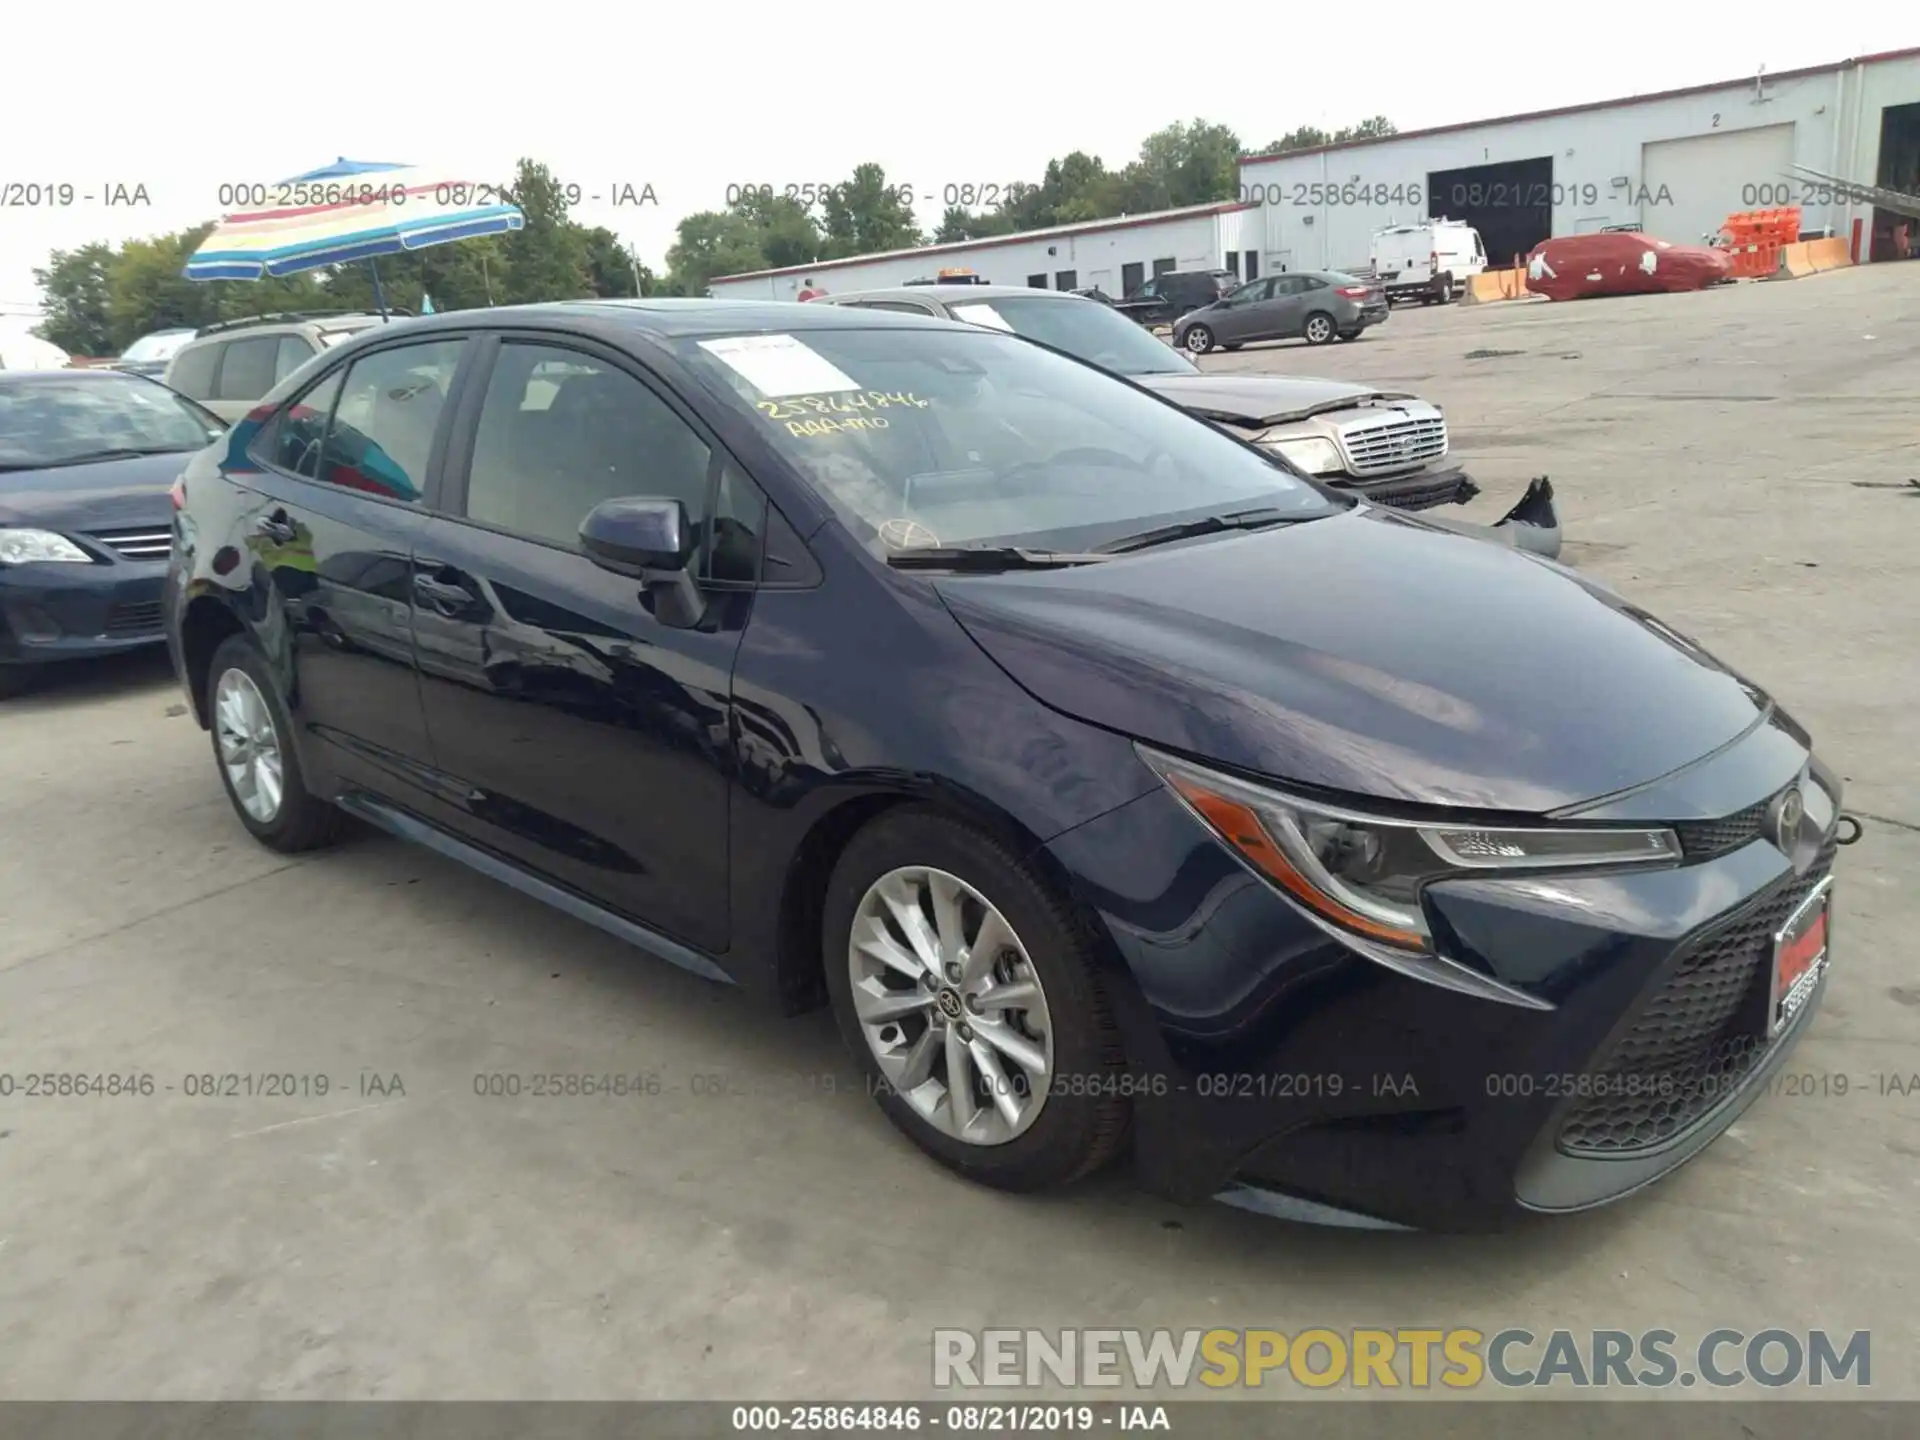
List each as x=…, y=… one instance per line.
x=1386, y=447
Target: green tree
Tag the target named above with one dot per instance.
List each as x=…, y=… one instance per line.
x=611, y=268
x=709, y=243
x=788, y=233
x=77, y=286
x=1305, y=137
x=863, y=216
x=1375, y=127
x=546, y=259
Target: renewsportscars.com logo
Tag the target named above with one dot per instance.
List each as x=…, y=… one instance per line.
x=1458, y=1359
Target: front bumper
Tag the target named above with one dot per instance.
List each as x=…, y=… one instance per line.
x=1282, y=1070
x=65, y=612
x=1443, y=484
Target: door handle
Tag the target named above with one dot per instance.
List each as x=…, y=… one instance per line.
x=445, y=596
x=277, y=527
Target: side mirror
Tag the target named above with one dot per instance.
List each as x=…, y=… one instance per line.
x=650, y=540
x=633, y=535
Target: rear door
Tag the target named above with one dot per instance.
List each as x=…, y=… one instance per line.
x=341, y=494
x=588, y=740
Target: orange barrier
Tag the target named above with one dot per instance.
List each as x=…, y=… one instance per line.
x=1491, y=285
x=1755, y=239
x=1813, y=257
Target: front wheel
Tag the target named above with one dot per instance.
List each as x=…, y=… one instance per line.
x=1198, y=340
x=970, y=997
x=1319, y=328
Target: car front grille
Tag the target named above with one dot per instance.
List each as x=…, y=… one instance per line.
x=147, y=543
x=134, y=618
x=1700, y=839
x=1376, y=447
x=1696, y=1040
x=1442, y=491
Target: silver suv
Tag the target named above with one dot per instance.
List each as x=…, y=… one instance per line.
x=231, y=366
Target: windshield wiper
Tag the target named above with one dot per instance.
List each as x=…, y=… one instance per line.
x=92, y=457
x=1205, y=525
x=988, y=557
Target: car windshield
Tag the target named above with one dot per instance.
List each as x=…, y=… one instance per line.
x=57, y=420
x=956, y=438
x=1084, y=328
x=160, y=345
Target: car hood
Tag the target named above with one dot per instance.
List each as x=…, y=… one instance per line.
x=1370, y=654
x=108, y=496
x=1261, y=399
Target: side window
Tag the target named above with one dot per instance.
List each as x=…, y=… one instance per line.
x=192, y=371
x=297, y=431
x=246, y=370
x=383, y=426
x=541, y=462
x=293, y=353
x=1309, y=282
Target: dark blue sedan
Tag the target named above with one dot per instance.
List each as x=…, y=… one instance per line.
x=86, y=461
x=1121, y=790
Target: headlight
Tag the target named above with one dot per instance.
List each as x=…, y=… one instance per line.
x=27, y=547
x=1363, y=873
x=1314, y=454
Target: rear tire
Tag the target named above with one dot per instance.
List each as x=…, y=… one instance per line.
x=1444, y=294
x=1319, y=328
x=960, y=888
x=254, y=752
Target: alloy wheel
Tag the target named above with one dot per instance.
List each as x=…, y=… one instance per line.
x=1319, y=329
x=951, y=1005
x=249, y=745
x=1199, y=340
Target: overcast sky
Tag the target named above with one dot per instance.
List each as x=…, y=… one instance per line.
x=692, y=98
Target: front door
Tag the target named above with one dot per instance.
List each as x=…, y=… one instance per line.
x=336, y=507
x=1282, y=312
x=585, y=738
x=1238, y=319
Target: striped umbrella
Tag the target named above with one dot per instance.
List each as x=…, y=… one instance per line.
x=350, y=210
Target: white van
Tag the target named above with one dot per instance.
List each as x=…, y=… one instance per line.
x=1430, y=261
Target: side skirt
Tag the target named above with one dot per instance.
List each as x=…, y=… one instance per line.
x=406, y=827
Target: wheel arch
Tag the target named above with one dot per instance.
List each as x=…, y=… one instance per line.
x=798, y=959
x=206, y=622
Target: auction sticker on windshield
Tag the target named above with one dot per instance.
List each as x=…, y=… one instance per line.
x=779, y=365
x=982, y=314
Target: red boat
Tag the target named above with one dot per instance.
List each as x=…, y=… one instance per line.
x=1574, y=267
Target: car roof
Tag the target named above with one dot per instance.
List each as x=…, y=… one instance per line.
x=347, y=320
x=666, y=318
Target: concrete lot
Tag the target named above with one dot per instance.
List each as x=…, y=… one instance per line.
x=1735, y=460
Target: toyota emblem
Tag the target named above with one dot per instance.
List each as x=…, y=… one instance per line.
x=1783, y=823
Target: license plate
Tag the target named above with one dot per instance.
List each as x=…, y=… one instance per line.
x=1800, y=955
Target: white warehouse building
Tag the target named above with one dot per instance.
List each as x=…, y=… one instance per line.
x=1111, y=255
x=1676, y=163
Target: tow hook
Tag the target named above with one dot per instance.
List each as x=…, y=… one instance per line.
x=1841, y=837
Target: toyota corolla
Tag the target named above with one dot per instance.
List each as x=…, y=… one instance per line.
x=911, y=668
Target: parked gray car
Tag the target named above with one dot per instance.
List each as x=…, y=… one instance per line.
x=1385, y=446
x=1315, y=305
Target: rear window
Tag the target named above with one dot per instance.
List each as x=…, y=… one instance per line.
x=191, y=372
x=246, y=373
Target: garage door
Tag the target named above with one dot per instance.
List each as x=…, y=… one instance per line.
x=1709, y=177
